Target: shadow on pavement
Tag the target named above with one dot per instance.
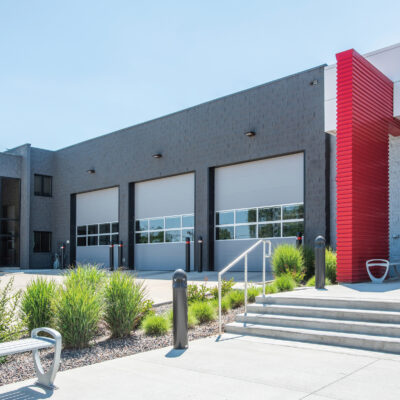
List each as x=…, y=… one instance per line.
x=30, y=392
x=173, y=353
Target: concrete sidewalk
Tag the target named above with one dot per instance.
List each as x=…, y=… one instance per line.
x=230, y=368
x=158, y=283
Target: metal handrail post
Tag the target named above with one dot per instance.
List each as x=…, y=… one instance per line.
x=245, y=285
x=233, y=263
x=263, y=271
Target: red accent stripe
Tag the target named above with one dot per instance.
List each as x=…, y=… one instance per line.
x=364, y=119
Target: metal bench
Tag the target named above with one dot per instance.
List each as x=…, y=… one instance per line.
x=34, y=344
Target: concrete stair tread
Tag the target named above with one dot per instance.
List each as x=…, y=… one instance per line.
x=382, y=325
x=336, y=309
x=305, y=331
x=335, y=302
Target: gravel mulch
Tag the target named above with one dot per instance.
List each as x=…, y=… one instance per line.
x=20, y=367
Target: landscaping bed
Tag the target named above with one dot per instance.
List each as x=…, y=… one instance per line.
x=20, y=367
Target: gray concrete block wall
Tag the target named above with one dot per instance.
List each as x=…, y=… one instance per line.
x=287, y=116
x=42, y=163
x=24, y=152
x=10, y=165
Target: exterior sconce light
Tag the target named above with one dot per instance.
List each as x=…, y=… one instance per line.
x=157, y=155
x=314, y=82
x=91, y=171
x=250, y=134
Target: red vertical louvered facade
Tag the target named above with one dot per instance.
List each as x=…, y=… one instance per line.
x=364, y=113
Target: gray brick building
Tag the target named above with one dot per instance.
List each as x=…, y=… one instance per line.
x=189, y=174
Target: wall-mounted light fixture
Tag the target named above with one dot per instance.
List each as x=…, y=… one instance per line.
x=157, y=155
x=250, y=134
x=314, y=82
x=91, y=171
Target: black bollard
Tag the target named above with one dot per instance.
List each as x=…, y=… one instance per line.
x=120, y=248
x=62, y=255
x=200, y=242
x=187, y=254
x=180, y=309
x=299, y=239
x=111, y=257
x=319, y=246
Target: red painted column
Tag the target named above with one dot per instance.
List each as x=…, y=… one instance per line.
x=364, y=113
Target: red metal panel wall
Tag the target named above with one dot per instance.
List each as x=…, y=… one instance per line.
x=364, y=113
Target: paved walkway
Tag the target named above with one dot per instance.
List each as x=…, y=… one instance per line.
x=389, y=290
x=231, y=368
x=158, y=283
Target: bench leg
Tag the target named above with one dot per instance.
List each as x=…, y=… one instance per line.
x=47, y=378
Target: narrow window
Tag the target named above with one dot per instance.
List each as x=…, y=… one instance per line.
x=42, y=242
x=43, y=185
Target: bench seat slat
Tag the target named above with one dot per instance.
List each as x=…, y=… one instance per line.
x=23, y=345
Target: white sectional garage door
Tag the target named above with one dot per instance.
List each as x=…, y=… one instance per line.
x=164, y=213
x=97, y=225
x=258, y=199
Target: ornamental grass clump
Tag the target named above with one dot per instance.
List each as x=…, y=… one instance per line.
x=253, y=292
x=156, y=325
x=271, y=288
x=10, y=324
x=88, y=274
x=236, y=298
x=123, y=301
x=331, y=265
x=38, y=305
x=203, y=311
x=288, y=259
x=80, y=307
x=285, y=283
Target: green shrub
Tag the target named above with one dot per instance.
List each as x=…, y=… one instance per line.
x=123, y=299
x=197, y=292
x=155, y=325
x=203, y=311
x=38, y=305
x=145, y=308
x=226, y=286
x=192, y=320
x=285, y=283
x=309, y=260
x=311, y=282
x=236, y=298
x=10, y=324
x=287, y=259
x=330, y=262
x=253, y=292
x=225, y=304
x=271, y=288
x=86, y=274
x=79, y=309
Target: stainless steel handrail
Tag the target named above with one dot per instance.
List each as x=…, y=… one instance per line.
x=234, y=262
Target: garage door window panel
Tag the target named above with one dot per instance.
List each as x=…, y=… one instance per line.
x=262, y=222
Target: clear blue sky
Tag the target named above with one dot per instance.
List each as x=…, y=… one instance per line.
x=72, y=70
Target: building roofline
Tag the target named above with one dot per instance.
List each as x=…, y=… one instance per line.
x=195, y=106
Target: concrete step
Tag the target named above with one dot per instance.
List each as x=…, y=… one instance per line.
x=366, y=342
x=323, y=324
x=331, y=302
x=389, y=317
